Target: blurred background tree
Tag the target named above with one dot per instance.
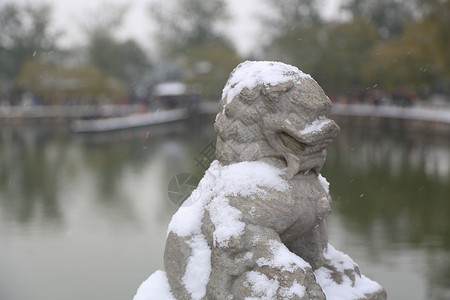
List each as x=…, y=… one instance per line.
x=418, y=58
x=347, y=47
x=105, y=67
x=191, y=40
x=125, y=61
x=385, y=45
x=56, y=84
x=189, y=23
x=297, y=35
x=388, y=16
x=25, y=33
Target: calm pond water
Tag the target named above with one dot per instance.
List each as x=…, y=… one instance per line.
x=85, y=216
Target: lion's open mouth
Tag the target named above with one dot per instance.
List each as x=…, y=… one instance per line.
x=300, y=160
x=291, y=143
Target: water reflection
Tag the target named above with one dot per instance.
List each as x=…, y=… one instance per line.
x=391, y=188
x=93, y=208
x=36, y=162
x=101, y=201
x=29, y=174
x=397, y=179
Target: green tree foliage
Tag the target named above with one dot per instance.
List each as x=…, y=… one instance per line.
x=56, y=83
x=388, y=16
x=26, y=41
x=123, y=60
x=291, y=15
x=182, y=24
x=420, y=57
x=24, y=33
x=297, y=33
x=387, y=44
x=345, y=50
x=301, y=47
x=331, y=52
x=191, y=39
x=209, y=68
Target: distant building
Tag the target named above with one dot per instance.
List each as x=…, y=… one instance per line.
x=170, y=95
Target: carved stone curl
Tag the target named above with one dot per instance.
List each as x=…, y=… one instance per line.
x=254, y=228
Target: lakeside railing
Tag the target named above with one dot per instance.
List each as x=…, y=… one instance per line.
x=415, y=113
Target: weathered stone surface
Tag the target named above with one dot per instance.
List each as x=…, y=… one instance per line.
x=257, y=229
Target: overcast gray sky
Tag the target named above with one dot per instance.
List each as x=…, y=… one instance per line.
x=68, y=14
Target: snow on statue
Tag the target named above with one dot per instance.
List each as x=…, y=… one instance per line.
x=254, y=227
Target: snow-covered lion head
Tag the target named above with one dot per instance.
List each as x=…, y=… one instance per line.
x=274, y=112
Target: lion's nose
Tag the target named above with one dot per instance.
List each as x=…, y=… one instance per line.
x=321, y=131
x=331, y=130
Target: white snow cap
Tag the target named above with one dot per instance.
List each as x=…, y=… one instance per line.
x=316, y=125
x=251, y=73
x=154, y=288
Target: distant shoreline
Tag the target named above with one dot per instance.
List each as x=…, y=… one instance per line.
x=435, y=117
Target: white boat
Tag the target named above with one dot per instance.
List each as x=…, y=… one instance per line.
x=130, y=121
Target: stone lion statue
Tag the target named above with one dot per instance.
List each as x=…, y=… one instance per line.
x=254, y=228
